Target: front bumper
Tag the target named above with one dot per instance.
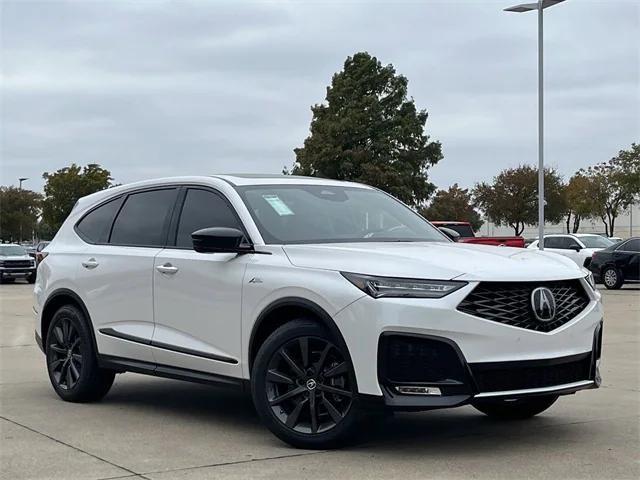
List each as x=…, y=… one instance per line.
x=8, y=272
x=479, y=344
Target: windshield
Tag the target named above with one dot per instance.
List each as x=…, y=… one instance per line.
x=287, y=214
x=12, y=250
x=596, y=241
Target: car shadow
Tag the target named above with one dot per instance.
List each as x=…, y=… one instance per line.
x=444, y=431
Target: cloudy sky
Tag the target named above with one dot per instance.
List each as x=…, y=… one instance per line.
x=156, y=88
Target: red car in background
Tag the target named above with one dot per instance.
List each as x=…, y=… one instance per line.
x=467, y=235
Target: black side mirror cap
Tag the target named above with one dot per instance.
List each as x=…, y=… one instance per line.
x=220, y=240
x=577, y=248
x=452, y=234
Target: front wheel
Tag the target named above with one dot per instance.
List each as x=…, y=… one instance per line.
x=32, y=278
x=71, y=358
x=515, y=409
x=612, y=278
x=303, y=387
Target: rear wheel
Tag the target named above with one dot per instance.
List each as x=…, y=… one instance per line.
x=303, y=387
x=71, y=358
x=612, y=278
x=515, y=409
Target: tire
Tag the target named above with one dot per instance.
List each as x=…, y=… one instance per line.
x=323, y=413
x=71, y=358
x=31, y=278
x=515, y=409
x=612, y=278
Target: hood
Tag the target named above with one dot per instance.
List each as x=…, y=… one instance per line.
x=435, y=260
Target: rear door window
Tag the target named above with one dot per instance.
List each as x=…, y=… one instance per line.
x=144, y=218
x=553, y=242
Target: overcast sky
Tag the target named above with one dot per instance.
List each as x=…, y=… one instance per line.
x=157, y=88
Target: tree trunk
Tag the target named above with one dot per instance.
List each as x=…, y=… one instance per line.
x=612, y=223
x=606, y=226
x=568, y=220
x=576, y=223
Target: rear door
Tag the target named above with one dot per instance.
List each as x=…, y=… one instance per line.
x=197, y=296
x=116, y=268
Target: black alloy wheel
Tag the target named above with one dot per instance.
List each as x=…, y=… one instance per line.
x=308, y=385
x=65, y=360
x=72, y=360
x=304, y=388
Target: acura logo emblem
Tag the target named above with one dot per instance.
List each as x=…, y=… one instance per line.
x=543, y=304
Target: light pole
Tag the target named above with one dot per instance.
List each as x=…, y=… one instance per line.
x=527, y=7
x=22, y=179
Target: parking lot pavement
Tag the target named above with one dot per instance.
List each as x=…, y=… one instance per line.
x=161, y=429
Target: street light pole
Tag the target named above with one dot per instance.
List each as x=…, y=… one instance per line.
x=540, y=5
x=22, y=179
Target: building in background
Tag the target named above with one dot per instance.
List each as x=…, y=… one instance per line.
x=627, y=225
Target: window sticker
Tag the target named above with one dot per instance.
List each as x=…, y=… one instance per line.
x=278, y=205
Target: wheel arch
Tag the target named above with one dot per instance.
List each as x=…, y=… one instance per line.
x=57, y=299
x=284, y=310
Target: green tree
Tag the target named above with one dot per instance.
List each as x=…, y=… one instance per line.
x=64, y=187
x=453, y=204
x=616, y=185
x=580, y=200
x=512, y=198
x=19, y=211
x=369, y=131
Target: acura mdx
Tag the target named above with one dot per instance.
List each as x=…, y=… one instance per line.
x=324, y=299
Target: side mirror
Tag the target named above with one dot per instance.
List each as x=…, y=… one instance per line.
x=452, y=234
x=577, y=248
x=219, y=240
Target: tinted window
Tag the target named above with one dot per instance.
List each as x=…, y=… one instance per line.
x=463, y=230
x=142, y=218
x=203, y=209
x=94, y=227
x=632, y=245
x=553, y=242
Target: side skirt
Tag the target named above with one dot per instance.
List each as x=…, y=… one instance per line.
x=122, y=365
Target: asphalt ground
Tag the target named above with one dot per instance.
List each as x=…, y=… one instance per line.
x=157, y=429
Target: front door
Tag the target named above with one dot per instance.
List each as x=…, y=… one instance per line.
x=198, y=296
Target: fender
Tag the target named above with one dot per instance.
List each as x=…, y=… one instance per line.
x=300, y=302
x=76, y=298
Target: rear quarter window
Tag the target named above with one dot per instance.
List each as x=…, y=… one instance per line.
x=94, y=227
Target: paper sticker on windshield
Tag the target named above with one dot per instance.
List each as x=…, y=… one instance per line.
x=278, y=205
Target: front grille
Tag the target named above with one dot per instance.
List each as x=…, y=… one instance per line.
x=17, y=263
x=408, y=359
x=510, y=303
x=505, y=376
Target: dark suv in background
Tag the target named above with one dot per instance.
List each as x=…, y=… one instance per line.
x=617, y=264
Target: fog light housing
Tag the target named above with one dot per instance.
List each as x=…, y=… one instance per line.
x=417, y=390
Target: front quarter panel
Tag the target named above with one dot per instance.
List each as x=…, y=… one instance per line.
x=270, y=278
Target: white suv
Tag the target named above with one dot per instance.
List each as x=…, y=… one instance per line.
x=579, y=247
x=325, y=299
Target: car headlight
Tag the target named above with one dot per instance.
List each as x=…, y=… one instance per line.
x=379, y=287
x=590, y=280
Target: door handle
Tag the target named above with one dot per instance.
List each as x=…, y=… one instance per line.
x=90, y=264
x=167, y=269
